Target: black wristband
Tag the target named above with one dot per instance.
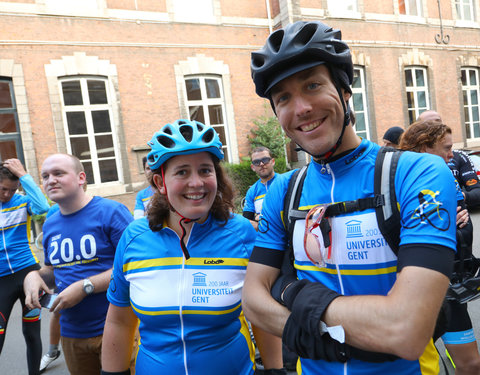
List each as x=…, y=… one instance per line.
x=291, y=291
x=126, y=372
x=275, y=371
x=279, y=286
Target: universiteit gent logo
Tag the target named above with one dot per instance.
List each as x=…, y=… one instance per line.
x=354, y=229
x=199, y=279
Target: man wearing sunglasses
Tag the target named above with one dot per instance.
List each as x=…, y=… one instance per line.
x=262, y=165
x=352, y=305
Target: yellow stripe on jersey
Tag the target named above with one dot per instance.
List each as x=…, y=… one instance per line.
x=185, y=312
x=350, y=272
x=14, y=208
x=148, y=263
x=217, y=262
x=177, y=261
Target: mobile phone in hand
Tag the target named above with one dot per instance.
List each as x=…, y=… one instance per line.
x=47, y=300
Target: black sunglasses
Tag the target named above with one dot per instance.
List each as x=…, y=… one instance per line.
x=264, y=160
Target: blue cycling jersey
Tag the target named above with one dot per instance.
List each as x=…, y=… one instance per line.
x=361, y=261
x=191, y=319
x=15, y=225
x=256, y=194
x=142, y=200
x=81, y=245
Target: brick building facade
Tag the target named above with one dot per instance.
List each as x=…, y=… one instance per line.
x=97, y=78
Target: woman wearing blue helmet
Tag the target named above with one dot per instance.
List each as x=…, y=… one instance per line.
x=180, y=270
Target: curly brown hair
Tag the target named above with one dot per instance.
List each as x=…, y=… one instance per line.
x=422, y=134
x=222, y=207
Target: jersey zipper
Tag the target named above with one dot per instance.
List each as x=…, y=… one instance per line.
x=180, y=310
x=332, y=199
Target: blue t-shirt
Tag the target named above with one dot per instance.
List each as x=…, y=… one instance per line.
x=190, y=313
x=81, y=245
x=256, y=194
x=361, y=261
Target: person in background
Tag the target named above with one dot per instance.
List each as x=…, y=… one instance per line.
x=391, y=138
x=79, y=243
x=262, y=164
x=142, y=200
x=461, y=166
x=433, y=137
x=196, y=250
x=16, y=257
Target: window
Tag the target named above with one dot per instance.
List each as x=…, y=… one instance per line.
x=417, y=92
x=358, y=102
x=465, y=10
x=338, y=7
x=193, y=10
x=470, y=89
x=206, y=104
x=10, y=140
x=410, y=7
x=89, y=128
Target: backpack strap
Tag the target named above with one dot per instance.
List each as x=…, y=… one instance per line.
x=388, y=215
x=291, y=213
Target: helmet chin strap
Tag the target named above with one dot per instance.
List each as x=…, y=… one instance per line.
x=183, y=219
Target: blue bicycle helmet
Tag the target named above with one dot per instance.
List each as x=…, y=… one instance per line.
x=182, y=137
x=299, y=46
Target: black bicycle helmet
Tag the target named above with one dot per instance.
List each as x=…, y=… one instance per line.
x=299, y=46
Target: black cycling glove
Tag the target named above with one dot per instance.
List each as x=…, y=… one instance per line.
x=309, y=304
x=311, y=344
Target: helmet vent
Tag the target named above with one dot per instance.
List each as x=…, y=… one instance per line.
x=257, y=60
x=187, y=132
x=275, y=40
x=208, y=136
x=305, y=35
x=165, y=141
x=167, y=130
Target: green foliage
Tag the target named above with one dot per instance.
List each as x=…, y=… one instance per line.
x=242, y=177
x=268, y=133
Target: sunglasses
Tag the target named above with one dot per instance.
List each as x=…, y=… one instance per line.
x=317, y=247
x=263, y=161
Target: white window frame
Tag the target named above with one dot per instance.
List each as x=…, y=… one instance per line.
x=198, y=11
x=363, y=91
x=205, y=102
x=338, y=8
x=87, y=108
x=460, y=5
x=468, y=106
x=408, y=10
x=416, y=90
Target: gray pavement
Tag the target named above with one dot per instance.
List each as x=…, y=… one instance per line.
x=12, y=359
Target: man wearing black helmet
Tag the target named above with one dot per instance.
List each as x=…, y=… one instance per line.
x=360, y=307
